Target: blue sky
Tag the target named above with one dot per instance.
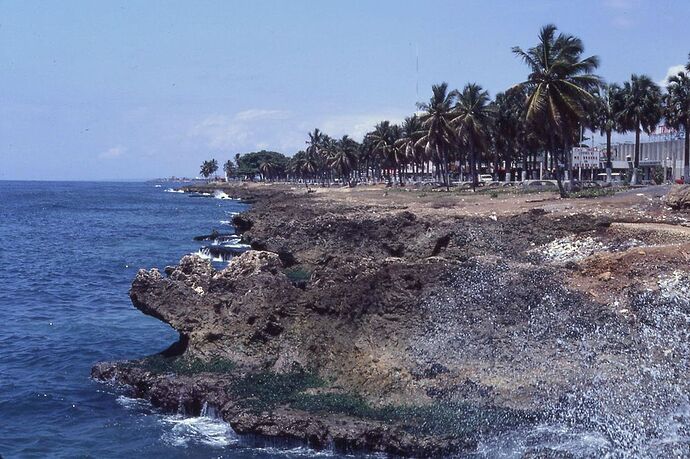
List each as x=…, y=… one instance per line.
x=142, y=89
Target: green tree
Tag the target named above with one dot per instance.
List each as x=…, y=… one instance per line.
x=678, y=111
x=438, y=135
x=509, y=111
x=343, y=160
x=410, y=133
x=641, y=110
x=267, y=169
x=382, y=140
x=208, y=168
x=472, y=120
x=559, y=86
x=229, y=169
x=248, y=163
x=608, y=106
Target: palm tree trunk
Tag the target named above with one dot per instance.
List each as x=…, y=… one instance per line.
x=509, y=162
x=559, y=178
x=446, y=176
x=609, y=165
x=473, y=168
x=686, y=163
x=636, y=159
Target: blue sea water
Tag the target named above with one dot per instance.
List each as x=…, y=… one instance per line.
x=68, y=252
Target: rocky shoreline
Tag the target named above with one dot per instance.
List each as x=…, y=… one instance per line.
x=418, y=323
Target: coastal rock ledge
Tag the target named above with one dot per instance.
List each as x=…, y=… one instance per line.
x=414, y=327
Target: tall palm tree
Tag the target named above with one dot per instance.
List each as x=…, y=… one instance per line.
x=678, y=111
x=640, y=111
x=229, y=169
x=316, y=150
x=509, y=109
x=472, y=119
x=344, y=157
x=267, y=168
x=606, y=117
x=382, y=140
x=410, y=133
x=560, y=86
x=209, y=168
x=439, y=135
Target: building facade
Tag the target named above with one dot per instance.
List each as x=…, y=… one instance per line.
x=663, y=153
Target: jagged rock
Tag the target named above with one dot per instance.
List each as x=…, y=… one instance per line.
x=242, y=223
x=679, y=197
x=482, y=321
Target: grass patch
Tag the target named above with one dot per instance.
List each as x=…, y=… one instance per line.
x=456, y=419
x=593, y=193
x=185, y=366
x=266, y=390
x=297, y=274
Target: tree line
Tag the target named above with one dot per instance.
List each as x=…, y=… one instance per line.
x=458, y=132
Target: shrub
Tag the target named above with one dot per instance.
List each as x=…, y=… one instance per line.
x=266, y=390
x=658, y=175
x=452, y=418
x=297, y=274
x=592, y=193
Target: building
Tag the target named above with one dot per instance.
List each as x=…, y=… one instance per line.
x=661, y=153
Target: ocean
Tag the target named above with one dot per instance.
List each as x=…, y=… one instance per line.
x=68, y=253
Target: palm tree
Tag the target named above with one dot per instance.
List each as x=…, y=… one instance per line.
x=472, y=119
x=209, y=168
x=559, y=88
x=509, y=109
x=382, y=140
x=606, y=117
x=267, y=168
x=640, y=111
x=410, y=133
x=229, y=169
x=439, y=135
x=344, y=157
x=678, y=111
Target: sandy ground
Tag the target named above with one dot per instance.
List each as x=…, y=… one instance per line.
x=635, y=205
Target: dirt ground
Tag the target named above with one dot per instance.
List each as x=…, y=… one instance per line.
x=637, y=204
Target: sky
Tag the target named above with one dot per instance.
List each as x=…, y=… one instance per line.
x=119, y=90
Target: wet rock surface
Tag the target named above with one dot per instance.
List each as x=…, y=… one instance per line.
x=396, y=308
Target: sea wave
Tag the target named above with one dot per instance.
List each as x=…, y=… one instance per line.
x=184, y=431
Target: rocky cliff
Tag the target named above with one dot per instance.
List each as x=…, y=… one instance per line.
x=413, y=325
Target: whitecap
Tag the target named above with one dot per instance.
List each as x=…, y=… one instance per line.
x=221, y=195
x=206, y=429
x=131, y=403
x=172, y=190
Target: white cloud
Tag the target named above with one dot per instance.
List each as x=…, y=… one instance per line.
x=280, y=130
x=673, y=70
x=239, y=131
x=622, y=22
x=112, y=153
x=356, y=126
x=622, y=4
x=259, y=114
x=221, y=131
x=622, y=12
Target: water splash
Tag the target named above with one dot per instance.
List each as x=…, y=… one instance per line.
x=610, y=384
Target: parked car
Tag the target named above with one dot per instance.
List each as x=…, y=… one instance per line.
x=486, y=178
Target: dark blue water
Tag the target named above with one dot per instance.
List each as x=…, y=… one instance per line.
x=68, y=252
